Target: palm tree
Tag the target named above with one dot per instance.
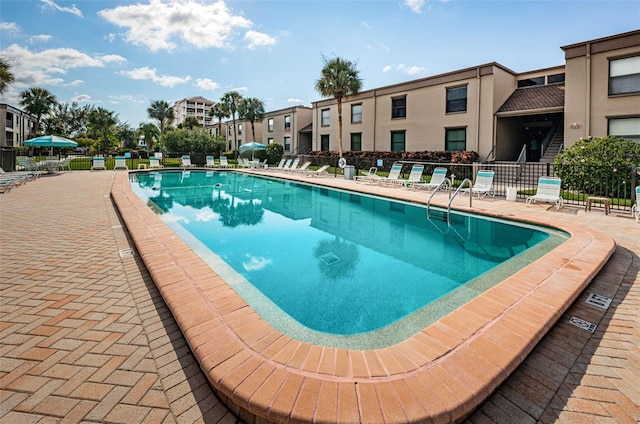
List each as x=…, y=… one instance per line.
x=231, y=101
x=219, y=111
x=37, y=102
x=150, y=132
x=190, y=122
x=251, y=109
x=126, y=135
x=339, y=78
x=6, y=76
x=160, y=110
x=103, y=121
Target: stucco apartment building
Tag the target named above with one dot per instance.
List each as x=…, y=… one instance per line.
x=15, y=126
x=290, y=127
x=490, y=109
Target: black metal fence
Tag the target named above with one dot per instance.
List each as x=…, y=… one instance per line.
x=583, y=182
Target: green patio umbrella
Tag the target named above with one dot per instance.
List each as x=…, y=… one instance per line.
x=50, y=141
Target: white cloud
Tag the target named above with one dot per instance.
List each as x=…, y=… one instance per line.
x=386, y=69
x=10, y=28
x=240, y=89
x=39, y=38
x=294, y=100
x=81, y=98
x=159, y=25
x=74, y=83
x=49, y=4
x=410, y=70
x=147, y=73
x=414, y=5
x=258, y=39
x=126, y=97
x=111, y=37
x=254, y=263
x=365, y=24
x=113, y=58
x=37, y=68
x=207, y=84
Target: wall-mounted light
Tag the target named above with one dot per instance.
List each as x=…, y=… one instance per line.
x=575, y=126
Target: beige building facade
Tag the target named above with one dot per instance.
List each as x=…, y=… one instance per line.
x=494, y=111
x=290, y=127
x=15, y=126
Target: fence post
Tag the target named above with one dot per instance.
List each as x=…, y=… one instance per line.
x=634, y=181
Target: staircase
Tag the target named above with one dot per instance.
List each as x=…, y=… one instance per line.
x=556, y=143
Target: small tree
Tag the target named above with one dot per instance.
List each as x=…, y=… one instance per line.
x=595, y=165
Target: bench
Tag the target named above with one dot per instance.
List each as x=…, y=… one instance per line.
x=604, y=200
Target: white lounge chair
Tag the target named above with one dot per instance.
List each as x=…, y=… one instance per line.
x=415, y=176
x=317, y=172
x=121, y=163
x=303, y=168
x=278, y=166
x=155, y=163
x=548, y=191
x=210, y=161
x=224, y=162
x=393, y=177
x=437, y=177
x=98, y=163
x=370, y=174
x=186, y=162
x=483, y=184
x=635, y=209
x=294, y=165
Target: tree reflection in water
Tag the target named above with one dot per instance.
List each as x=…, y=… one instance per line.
x=337, y=258
x=232, y=215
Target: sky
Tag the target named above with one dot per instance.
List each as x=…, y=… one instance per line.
x=122, y=55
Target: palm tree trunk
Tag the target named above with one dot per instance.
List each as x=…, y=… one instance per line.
x=340, y=127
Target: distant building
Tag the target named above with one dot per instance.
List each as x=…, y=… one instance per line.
x=197, y=107
x=15, y=126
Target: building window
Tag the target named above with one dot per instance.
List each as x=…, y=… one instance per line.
x=230, y=130
x=287, y=122
x=399, y=107
x=356, y=142
x=239, y=129
x=356, y=113
x=398, y=141
x=457, y=99
x=325, y=117
x=270, y=140
x=627, y=128
x=270, y=125
x=624, y=75
x=530, y=82
x=324, y=142
x=287, y=143
x=455, y=140
x=555, y=78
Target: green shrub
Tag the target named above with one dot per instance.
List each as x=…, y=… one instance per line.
x=273, y=153
x=597, y=165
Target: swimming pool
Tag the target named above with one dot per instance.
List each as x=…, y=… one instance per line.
x=431, y=376
x=336, y=267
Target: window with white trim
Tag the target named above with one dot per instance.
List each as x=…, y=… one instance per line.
x=624, y=75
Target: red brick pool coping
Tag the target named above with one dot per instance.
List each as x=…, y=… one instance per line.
x=439, y=375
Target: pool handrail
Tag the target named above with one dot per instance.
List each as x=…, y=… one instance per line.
x=445, y=182
x=466, y=180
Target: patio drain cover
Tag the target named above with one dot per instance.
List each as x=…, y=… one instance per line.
x=585, y=325
x=126, y=252
x=598, y=301
x=329, y=258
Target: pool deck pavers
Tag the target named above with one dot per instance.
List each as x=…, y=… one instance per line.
x=86, y=337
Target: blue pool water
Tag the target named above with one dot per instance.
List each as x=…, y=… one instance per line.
x=335, y=262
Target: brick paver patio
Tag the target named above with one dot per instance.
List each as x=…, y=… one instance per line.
x=85, y=336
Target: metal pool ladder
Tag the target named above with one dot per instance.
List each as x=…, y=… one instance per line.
x=446, y=181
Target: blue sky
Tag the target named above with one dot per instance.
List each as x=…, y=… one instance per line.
x=122, y=54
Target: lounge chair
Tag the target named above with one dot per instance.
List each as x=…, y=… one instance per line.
x=121, y=163
x=370, y=174
x=318, y=172
x=415, y=176
x=224, y=162
x=286, y=165
x=393, y=177
x=186, y=162
x=303, y=168
x=548, y=191
x=294, y=165
x=483, y=184
x=437, y=177
x=65, y=163
x=278, y=166
x=98, y=163
x=635, y=209
x=210, y=161
x=155, y=163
